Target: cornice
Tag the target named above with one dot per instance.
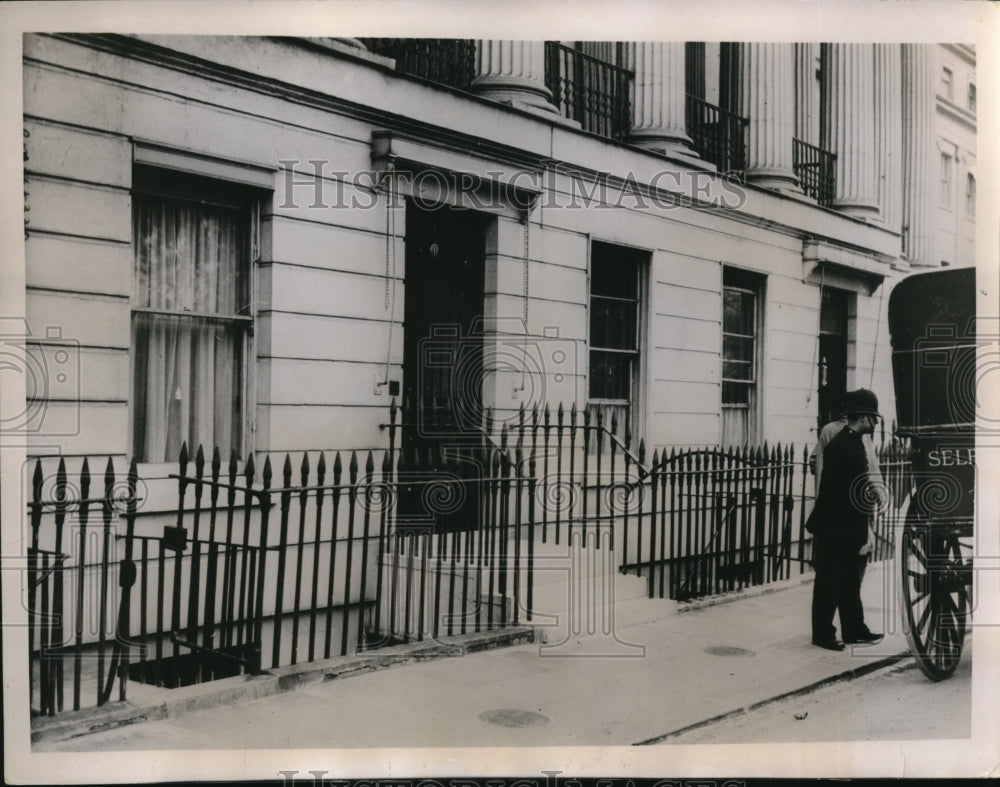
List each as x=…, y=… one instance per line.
x=766, y=214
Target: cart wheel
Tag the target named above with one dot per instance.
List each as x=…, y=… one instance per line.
x=934, y=598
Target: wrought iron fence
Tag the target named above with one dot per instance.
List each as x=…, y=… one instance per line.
x=815, y=169
x=719, y=136
x=72, y=569
x=350, y=551
x=449, y=61
x=589, y=90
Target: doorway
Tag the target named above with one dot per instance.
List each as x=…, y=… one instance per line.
x=832, y=355
x=443, y=359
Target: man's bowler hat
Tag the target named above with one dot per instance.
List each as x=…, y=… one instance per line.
x=861, y=402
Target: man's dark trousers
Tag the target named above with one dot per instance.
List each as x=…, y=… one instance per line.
x=837, y=588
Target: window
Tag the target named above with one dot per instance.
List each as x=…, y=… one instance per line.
x=945, y=196
x=741, y=325
x=972, y=97
x=616, y=275
x=947, y=84
x=191, y=316
x=970, y=194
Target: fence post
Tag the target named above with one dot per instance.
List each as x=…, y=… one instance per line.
x=265, y=510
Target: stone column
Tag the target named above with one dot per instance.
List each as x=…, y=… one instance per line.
x=888, y=134
x=513, y=72
x=658, y=112
x=767, y=100
x=919, y=193
x=849, y=81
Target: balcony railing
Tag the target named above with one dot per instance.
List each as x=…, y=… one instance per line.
x=718, y=135
x=591, y=91
x=815, y=170
x=450, y=61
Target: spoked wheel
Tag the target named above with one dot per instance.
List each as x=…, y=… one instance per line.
x=935, y=598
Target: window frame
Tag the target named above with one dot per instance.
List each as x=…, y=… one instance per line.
x=948, y=83
x=640, y=258
x=752, y=283
x=970, y=195
x=970, y=97
x=946, y=181
x=194, y=188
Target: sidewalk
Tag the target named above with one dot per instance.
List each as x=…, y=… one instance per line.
x=659, y=670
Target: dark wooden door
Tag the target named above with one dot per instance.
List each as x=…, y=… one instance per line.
x=832, y=372
x=443, y=363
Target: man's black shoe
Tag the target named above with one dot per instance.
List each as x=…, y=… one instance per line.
x=829, y=644
x=861, y=638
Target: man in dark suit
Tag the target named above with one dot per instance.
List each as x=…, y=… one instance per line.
x=840, y=527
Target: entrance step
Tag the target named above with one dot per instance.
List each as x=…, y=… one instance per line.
x=581, y=602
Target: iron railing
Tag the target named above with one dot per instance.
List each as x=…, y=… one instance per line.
x=719, y=136
x=351, y=551
x=449, y=61
x=589, y=90
x=72, y=569
x=816, y=171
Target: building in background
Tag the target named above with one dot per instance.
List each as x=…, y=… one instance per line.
x=955, y=132
x=258, y=243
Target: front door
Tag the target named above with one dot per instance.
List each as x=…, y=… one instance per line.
x=832, y=355
x=443, y=358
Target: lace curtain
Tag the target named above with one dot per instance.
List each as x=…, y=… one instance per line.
x=191, y=280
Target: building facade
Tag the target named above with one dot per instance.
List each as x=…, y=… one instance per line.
x=258, y=243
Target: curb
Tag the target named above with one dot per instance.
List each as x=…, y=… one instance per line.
x=188, y=699
x=846, y=675
x=755, y=591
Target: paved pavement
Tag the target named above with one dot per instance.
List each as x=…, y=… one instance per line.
x=641, y=675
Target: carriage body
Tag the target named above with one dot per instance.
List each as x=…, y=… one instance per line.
x=933, y=332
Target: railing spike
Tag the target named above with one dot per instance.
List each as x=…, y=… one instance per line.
x=392, y=411
x=199, y=461
x=286, y=471
x=183, y=460
x=109, y=476
x=353, y=468
x=338, y=468
x=216, y=462
x=248, y=471
x=369, y=463
x=267, y=472
x=321, y=468
x=233, y=463
x=37, y=479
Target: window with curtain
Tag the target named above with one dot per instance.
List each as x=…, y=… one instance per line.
x=191, y=317
x=615, y=327
x=741, y=325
